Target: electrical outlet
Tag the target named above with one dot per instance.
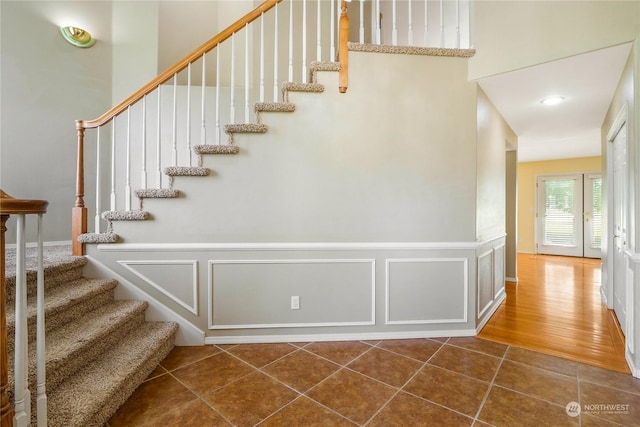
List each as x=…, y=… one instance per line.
x=295, y=302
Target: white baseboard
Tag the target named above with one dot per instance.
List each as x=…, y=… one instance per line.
x=635, y=370
x=496, y=303
x=188, y=334
x=256, y=339
x=511, y=279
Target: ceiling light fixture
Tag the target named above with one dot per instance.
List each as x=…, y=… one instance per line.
x=552, y=100
x=77, y=36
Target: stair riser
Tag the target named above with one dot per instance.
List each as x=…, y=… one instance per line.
x=50, y=281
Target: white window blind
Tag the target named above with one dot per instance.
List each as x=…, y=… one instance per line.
x=559, y=216
x=596, y=216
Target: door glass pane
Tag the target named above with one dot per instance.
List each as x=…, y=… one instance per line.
x=596, y=217
x=559, y=223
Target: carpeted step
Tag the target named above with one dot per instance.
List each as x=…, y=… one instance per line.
x=186, y=171
x=216, y=149
x=125, y=215
x=93, y=394
x=243, y=128
x=411, y=50
x=278, y=107
x=157, y=193
x=321, y=66
x=59, y=267
x=63, y=304
x=77, y=343
x=300, y=87
x=107, y=237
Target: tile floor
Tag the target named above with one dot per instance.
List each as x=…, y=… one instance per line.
x=414, y=382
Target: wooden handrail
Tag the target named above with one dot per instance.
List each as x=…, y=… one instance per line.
x=9, y=206
x=343, y=50
x=180, y=65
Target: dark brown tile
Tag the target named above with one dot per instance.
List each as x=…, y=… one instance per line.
x=251, y=399
x=304, y=412
x=212, y=373
x=300, y=344
x=406, y=410
x=196, y=413
x=151, y=400
x=183, y=356
x=226, y=346
x=420, y=348
x=544, y=361
x=510, y=409
x=609, y=378
x=352, y=395
x=385, y=366
x=478, y=344
x=540, y=383
x=467, y=362
x=591, y=421
x=260, y=355
x=446, y=388
x=301, y=370
x=341, y=352
x=156, y=373
x=441, y=339
x=610, y=404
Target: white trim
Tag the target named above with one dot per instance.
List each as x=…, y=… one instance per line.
x=511, y=279
x=496, y=304
x=211, y=263
x=464, y=319
x=621, y=118
x=194, y=279
x=635, y=370
x=45, y=244
x=187, y=334
x=496, y=282
x=634, y=257
x=491, y=279
x=356, y=336
x=286, y=246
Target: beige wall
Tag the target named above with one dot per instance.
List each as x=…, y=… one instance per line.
x=527, y=173
x=510, y=35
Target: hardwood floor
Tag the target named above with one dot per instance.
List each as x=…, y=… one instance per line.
x=555, y=308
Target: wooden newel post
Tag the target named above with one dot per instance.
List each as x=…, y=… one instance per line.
x=6, y=411
x=343, y=51
x=79, y=211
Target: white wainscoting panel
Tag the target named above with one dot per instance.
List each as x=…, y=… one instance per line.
x=177, y=279
x=246, y=294
x=498, y=271
x=484, y=292
x=426, y=290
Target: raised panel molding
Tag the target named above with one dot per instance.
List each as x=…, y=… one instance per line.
x=319, y=283
x=169, y=279
x=498, y=271
x=420, y=290
x=485, y=285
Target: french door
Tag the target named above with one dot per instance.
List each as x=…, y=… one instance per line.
x=569, y=215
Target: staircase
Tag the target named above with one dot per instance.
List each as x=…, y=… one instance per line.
x=98, y=350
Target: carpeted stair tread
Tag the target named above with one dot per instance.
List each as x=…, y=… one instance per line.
x=216, y=149
x=186, y=171
x=300, y=87
x=321, y=66
x=278, y=107
x=77, y=343
x=136, y=215
x=157, y=193
x=107, y=237
x=93, y=394
x=412, y=50
x=64, y=303
x=245, y=128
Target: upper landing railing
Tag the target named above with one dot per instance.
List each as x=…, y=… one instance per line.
x=219, y=82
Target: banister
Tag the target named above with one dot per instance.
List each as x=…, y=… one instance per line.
x=9, y=206
x=180, y=65
x=343, y=51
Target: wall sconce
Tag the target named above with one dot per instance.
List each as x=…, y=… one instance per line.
x=77, y=36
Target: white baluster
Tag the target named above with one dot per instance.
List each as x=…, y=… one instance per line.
x=332, y=30
x=426, y=23
x=127, y=186
x=41, y=389
x=275, y=55
x=291, y=40
x=143, y=156
x=112, y=206
x=378, y=23
x=441, y=23
x=458, y=24
x=361, y=39
x=469, y=21
x=218, y=135
x=410, y=34
x=188, y=124
x=394, y=28
x=262, y=57
x=98, y=181
x=304, y=41
x=174, y=133
x=247, y=119
x=319, y=33
x=159, y=139
x=22, y=402
x=232, y=115
x=203, y=132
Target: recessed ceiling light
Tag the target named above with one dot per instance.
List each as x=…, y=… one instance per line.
x=553, y=100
